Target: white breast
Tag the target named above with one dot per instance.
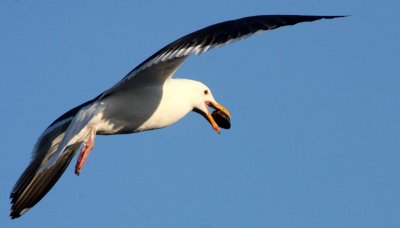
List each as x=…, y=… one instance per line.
x=146, y=108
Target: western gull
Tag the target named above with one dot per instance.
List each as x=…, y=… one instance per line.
x=146, y=98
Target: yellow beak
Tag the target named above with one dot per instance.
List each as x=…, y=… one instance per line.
x=219, y=107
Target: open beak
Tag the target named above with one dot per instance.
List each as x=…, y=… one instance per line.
x=210, y=117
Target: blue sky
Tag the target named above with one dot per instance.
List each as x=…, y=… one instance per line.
x=315, y=131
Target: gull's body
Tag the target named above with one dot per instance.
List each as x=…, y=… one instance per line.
x=157, y=106
x=147, y=98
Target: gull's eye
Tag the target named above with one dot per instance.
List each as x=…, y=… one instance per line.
x=205, y=92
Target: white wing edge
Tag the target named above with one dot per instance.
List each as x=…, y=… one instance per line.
x=78, y=130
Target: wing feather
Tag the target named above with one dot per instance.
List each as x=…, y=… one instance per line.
x=52, y=154
x=33, y=185
x=200, y=41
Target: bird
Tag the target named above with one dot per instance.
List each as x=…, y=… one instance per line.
x=147, y=98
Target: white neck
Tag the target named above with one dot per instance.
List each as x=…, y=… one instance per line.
x=174, y=105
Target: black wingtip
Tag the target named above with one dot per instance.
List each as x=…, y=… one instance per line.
x=14, y=214
x=332, y=17
x=318, y=17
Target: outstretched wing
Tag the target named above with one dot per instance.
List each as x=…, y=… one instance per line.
x=51, y=155
x=33, y=185
x=163, y=64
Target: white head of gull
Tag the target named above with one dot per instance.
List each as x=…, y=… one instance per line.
x=146, y=98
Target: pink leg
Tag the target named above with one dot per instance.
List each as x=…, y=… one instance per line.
x=86, y=149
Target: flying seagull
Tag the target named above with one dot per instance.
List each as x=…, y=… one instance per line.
x=147, y=98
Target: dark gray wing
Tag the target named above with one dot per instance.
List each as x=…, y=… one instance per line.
x=163, y=64
x=35, y=182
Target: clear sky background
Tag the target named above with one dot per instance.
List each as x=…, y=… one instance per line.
x=316, y=115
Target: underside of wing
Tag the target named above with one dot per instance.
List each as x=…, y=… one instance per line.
x=52, y=154
x=34, y=183
x=38, y=183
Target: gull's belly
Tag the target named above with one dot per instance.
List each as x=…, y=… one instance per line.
x=140, y=110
